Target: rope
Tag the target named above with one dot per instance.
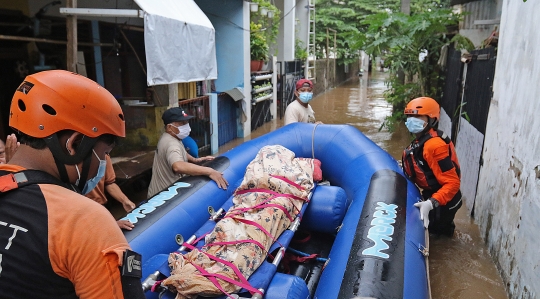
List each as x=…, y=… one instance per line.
x=313, y=142
x=426, y=236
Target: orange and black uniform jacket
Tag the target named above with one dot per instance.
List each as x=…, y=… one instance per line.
x=436, y=169
x=55, y=243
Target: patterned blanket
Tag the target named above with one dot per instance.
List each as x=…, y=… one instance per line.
x=271, y=194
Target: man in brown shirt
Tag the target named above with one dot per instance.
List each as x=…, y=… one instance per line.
x=171, y=161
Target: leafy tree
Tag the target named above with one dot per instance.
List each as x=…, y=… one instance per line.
x=401, y=39
x=268, y=27
x=346, y=18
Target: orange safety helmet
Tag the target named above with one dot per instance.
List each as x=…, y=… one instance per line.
x=423, y=106
x=51, y=101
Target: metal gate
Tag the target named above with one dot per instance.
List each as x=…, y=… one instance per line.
x=200, y=124
x=227, y=118
x=289, y=73
x=260, y=113
x=479, y=87
x=451, y=96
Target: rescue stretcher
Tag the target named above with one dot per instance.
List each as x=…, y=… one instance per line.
x=364, y=227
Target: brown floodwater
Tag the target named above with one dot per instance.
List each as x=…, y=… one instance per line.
x=460, y=267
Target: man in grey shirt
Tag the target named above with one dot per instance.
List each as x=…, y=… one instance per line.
x=171, y=161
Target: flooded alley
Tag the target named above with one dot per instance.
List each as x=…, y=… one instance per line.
x=461, y=267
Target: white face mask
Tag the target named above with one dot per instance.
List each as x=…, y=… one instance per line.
x=183, y=131
x=415, y=125
x=92, y=183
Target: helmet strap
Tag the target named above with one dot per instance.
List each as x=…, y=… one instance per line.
x=84, y=172
x=432, y=122
x=84, y=151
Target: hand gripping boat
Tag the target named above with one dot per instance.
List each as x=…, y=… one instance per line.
x=367, y=240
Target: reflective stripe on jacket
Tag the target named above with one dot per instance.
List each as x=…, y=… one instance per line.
x=432, y=164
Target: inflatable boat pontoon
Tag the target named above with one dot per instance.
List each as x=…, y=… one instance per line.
x=363, y=227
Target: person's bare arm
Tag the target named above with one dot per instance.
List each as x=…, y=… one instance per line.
x=125, y=224
x=200, y=159
x=182, y=167
x=118, y=195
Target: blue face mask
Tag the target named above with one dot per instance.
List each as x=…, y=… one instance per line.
x=415, y=125
x=305, y=97
x=92, y=183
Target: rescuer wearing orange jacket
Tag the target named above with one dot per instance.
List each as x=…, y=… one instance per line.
x=54, y=242
x=430, y=161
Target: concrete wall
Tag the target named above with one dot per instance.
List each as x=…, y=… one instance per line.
x=469, y=148
x=227, y=19
x=285, y=39
x=479, y=10
x=327, y=79
x=507, y=201
x=302, y=15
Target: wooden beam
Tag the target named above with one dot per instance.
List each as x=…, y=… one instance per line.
x=487, y=22
x=71, y=24
x=49, y=41
x=100, y=12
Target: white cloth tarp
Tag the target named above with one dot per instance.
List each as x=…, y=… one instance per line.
x=179, y=41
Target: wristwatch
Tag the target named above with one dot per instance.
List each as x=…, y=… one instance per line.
x=434, y=202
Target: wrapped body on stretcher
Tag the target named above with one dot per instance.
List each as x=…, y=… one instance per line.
x=261, y=217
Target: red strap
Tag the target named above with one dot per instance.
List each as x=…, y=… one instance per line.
x=278, y=206
x=262, y=206
x=8, y=182
x=288, y=196
x=258, y=226
x=200, y=237
x=245, y=283
x=155, y=286
x=261, y=246
x=302, y=259
x=286, y=180
x=250, y=289
x=303, y=240
x=271, y=192
x=204, y=273
x=233, y=212
x=289, y=257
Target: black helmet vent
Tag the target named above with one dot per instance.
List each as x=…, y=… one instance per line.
x=21, y=105
x=50, y=110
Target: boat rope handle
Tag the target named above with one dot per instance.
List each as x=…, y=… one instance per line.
x=426, y=249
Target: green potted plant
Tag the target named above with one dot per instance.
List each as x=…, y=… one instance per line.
x=300, y=51
x=258, y=47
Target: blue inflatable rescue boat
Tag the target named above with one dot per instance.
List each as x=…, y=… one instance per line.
x=359, y=235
